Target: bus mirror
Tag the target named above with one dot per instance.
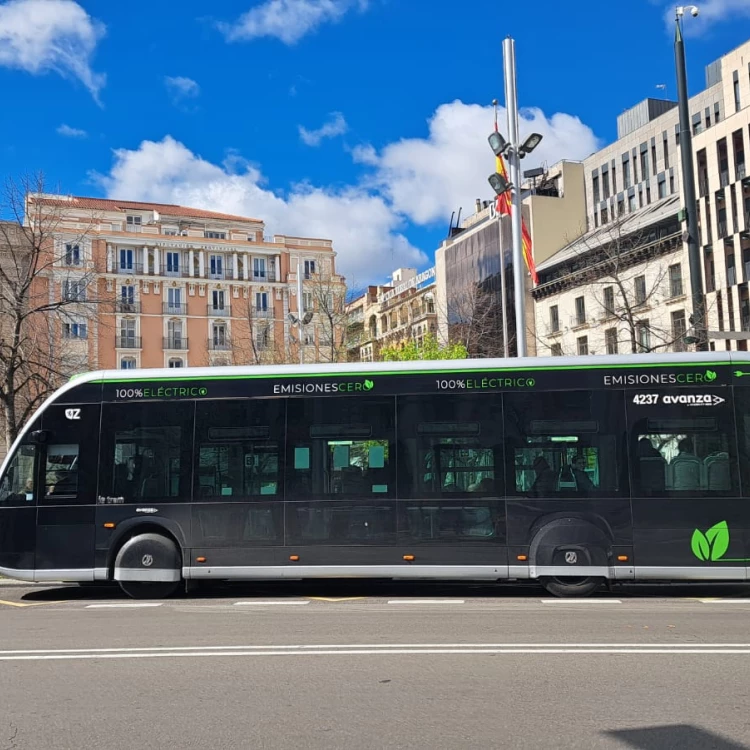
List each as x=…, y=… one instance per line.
x=40, y=437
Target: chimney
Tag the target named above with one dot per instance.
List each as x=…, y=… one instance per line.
x=478, y=205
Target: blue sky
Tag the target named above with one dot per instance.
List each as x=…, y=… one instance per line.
x=360, y=120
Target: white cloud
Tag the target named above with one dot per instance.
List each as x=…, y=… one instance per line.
x=180, y=88
x=336, y=125
x=418, y=179
x=427, y=178
x=365, y=230
x=68, y=132
x=41, y=36
x=288, y=20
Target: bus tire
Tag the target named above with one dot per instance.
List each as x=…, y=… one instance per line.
x=149, y=566
x=566, y=586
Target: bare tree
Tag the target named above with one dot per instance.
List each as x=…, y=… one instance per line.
x=625, y=275
x=326, y=292
x=47, y=298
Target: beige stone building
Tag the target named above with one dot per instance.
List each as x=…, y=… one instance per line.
x=625, y=285
x=178, y=287
x=391, y=314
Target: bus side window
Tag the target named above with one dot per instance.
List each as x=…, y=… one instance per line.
x=61, y=470
x=17, y=485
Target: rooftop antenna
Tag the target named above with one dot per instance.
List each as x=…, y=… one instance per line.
x=450, y=226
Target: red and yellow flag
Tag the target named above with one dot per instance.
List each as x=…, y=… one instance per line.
x=503, y=206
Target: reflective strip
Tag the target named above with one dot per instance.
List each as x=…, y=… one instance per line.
x=147, y=574
x=691, y=573
x=600, y=571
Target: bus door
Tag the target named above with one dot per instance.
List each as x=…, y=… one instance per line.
x=67, y=494
x=18, y=511
x=688, y=515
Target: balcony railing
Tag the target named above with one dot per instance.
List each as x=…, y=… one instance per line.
x=181, y=270
x=218, y=312
x=133, y=228
x=269, y=275
x=263, y=312
x=128, y=342
x=219, y=345
x=175, y=343
x=174, y=308
x=129, y=269
x=126, y=307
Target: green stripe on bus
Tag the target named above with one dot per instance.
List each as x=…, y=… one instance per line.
x=377, y=373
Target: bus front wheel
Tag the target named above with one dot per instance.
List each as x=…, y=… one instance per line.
x=566, y=586
x=148, y=566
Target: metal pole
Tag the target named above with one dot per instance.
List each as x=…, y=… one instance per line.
x=300, y=312
x=691, y=204
x=503, y=290
x=514, y=158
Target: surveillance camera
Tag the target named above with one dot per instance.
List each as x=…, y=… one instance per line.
x=694, y=12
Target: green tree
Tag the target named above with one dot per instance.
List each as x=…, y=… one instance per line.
x=430, y=348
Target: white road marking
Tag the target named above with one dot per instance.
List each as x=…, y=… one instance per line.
x=124, y=605
x=383, y=650
x=426, y=601
x=581, y=601
x=724, y=601
x=272, y=602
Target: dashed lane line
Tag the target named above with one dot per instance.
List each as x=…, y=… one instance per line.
x=582, y=601
x=426, y=601
x=124, y=605
x=272, y=603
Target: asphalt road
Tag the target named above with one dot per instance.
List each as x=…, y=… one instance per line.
x=355, y=665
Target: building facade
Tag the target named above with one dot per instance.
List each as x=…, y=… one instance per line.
x=391, y=314
x=624, y=286
x=169, y=286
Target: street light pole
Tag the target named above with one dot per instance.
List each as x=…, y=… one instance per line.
x=688, y=181
x=300, y=313
x=514, y=159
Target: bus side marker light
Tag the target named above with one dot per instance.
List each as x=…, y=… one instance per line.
x=622, y=558
x=109, y=525
x=200, y=559
x=522, y=558
x=409, y=558
x=294, y=558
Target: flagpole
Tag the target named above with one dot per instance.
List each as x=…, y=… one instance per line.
x=514, y=159
x=501, y=250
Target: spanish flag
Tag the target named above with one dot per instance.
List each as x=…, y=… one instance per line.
x=503, y=206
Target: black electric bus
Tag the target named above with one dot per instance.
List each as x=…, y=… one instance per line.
x=569, y=471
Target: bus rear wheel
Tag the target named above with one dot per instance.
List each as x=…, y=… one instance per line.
x=149, y=590
x=566, y=586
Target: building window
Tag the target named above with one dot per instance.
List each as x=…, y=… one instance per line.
x=653, y=159
x=307, y=301
x=219, y=335
x=583, y=345
x=631, y=203
x=127, y=257
x=127, y=298
x=216, y=266
x=72, y=255
x=737, y=105
x=262, y=338
x=174, y=301
x=643, y=334
x=640, y=196
x=626, y=174
x=554, y=318
x=176, y=362
x=671, y=184
x=127, y=334
x=609, y=301
x=556, y=350
x=74, y=291
x=259, y=268
x=595, y=186
x=605, y=216
x=614, y=180
x=621, y=207
x=648, y=195
x=215, y=235
x=679, y=329
x=675, y=280
x=640, y=290
x=308, y=339
x=133, y=224
x=261, y=301
x=644, y=163
x=217, y=300
x=605, y=185
x=610, y=340
x=309, y=268
x=580, y=311
x=173, y=264
x=127, y=363
x=666, y=152
x=662, y=188
x=175, y=338
x=75, y=331
x=170, y=232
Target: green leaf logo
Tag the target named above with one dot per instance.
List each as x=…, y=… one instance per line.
x=712, y=545
x=710, y=375
x=368, y=385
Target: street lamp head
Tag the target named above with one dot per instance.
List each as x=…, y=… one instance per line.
x=308, y=317
x=499, y=184
x=530, y=144
x=498, y=144
x=293, y=319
